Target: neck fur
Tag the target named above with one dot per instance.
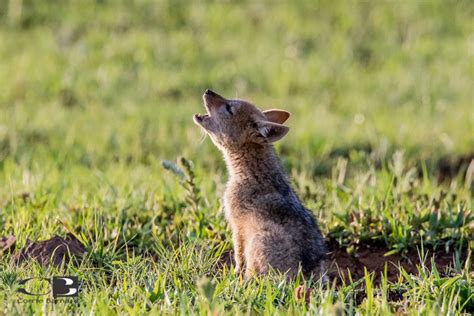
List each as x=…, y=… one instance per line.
x=254, y=161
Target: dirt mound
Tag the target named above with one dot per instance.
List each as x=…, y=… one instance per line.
x=54, y=250
x=372, y=257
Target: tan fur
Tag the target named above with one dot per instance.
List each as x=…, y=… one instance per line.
x=270, y=226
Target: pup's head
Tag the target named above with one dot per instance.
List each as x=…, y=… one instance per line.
x=234, y=123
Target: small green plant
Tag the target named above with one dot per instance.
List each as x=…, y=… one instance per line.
x=185, y=172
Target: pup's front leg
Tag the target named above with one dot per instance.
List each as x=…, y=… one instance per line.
x=238, y=252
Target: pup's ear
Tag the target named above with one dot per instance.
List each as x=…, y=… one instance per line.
x=277, y=116
x=272, y=132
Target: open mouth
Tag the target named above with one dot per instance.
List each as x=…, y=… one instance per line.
x=211, y=100
x=198, y=118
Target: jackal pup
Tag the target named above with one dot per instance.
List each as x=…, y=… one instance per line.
x=269, y=224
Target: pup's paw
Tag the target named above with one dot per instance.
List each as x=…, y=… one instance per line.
x=303, y=293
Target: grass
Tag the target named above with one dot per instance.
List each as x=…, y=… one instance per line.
x=96, y=99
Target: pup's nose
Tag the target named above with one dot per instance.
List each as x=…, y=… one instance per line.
x=210, y=92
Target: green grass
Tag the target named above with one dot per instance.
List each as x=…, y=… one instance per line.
x=94, y=95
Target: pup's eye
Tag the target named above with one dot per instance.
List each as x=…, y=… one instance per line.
x=228, y=108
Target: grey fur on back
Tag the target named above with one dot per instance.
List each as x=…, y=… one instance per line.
x=267, y=218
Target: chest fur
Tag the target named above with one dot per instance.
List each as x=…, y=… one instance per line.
x=239, y=200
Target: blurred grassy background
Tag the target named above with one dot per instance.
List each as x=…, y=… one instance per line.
x=95, y=92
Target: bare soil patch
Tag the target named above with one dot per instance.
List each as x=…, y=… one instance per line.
x=52, y=251
x=372, y=257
